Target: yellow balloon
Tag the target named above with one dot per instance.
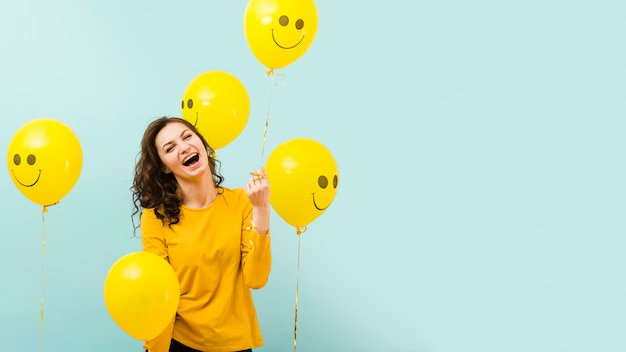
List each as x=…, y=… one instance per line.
x=44, y=160
x=279, y=32
x=304, y=179
x=141, y=293
x=217, y=103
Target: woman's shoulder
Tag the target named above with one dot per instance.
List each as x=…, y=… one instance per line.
x=149, y=219
x=236, y=197
x=233, y=193
x=151, y=212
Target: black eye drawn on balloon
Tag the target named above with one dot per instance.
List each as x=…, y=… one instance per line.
x=322, y=181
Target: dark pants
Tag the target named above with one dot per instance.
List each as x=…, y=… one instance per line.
x=176, y=346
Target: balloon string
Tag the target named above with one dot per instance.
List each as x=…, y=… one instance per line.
x=43, y=252
x=295, y=321
x=267, y=122
x=273, y=83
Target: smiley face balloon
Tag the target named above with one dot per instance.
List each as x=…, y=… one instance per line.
x=218, y=104
x=44, y=160
x=304, y=179
x=280, y=31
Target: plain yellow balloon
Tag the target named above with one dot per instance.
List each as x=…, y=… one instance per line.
x=44, y=160
x=141, y=293
x=304, y=179
x=218, y=104
x=279, y=32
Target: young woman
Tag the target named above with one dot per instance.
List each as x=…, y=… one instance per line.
x=216, y=239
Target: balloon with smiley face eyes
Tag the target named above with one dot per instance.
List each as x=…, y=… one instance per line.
x=304, y=179
x=279, y=32
x=217, y=103
x=44, y=160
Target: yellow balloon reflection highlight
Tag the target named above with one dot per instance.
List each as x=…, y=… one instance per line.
x=304, y=178
x=218, y=104
x=141, y=293
x=44, y=160
x=279, y=32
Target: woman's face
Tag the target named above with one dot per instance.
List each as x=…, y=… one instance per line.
x=181, y=151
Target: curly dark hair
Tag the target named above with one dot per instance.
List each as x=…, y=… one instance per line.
x=153, y=188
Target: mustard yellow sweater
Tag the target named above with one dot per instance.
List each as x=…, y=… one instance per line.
x=218, y=258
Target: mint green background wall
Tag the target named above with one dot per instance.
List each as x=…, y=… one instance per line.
x=480, y=148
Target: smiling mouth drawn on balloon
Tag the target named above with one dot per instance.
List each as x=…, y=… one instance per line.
x=315, y=204
x=32, y=184
x=284, y=47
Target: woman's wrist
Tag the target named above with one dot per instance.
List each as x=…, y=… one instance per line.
x=261, y=231
x=261, y=219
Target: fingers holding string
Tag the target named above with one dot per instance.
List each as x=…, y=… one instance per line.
x=258, y=179
x=258, y=188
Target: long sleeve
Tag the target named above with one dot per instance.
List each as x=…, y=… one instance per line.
x=256, y=258
x=152, y=236
x=153, y=240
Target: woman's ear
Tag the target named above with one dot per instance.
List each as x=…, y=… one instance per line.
x=166, y=170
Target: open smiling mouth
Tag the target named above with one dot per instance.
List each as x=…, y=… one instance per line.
x=32, y=184
x=285, y=47
x=315, y=204
x=191, y=160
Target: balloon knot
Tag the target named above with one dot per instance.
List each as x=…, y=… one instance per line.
x=300, y=230
x=45, y=206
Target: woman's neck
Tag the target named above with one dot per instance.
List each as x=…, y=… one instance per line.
x=198, y=193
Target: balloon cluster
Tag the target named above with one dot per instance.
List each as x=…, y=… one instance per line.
x=141, y=290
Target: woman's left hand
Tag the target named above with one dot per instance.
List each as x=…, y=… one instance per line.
x=258, y=190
